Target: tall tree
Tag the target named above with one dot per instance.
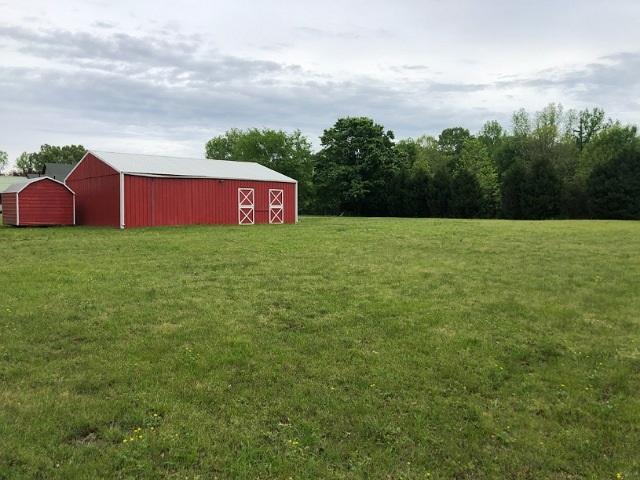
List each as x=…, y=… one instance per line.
x=604, y=146
x=466, y=195
x=287, y=153
x=429, y=154
x=25, y=164
x=352, y=168
x=492, y=135
x=550, y=125
x=440, y=195
x=521, y=123
x=614, y=187
x=34, y=162
x=542, y=190
x=55, y=154
x=513, y=189
x=4, y=159
x=475, y=159
x=451, y=140
x=588, y=124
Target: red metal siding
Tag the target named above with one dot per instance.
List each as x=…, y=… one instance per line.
x=97, y=188
x=9, y=208
x=45, y=202
x=151, y=201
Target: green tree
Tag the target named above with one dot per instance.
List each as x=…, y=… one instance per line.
x=521, y=123
x=475, y=159
x=409, y=186
x=514, y=182
x=428, y=155
x=440, y=195
x=614, y=187
x=4, y=159
x=466, y=195
x=287, y=153
x=492, y=135
x=353, y=166
x=588, y=124
x=451, y=140
x=54, y=154
x=407, y=153
x=542, y=190
x=550, y=126
x=25, y=164
x=419, y=192
x=604, y=146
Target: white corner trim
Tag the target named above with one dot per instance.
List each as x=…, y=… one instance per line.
x=121, y=200
x=296, y=199
x=17, y=209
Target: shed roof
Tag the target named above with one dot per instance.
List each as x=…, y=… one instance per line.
x=57, y=170
x=19, y=186
x=8, y=180
x=139, y=164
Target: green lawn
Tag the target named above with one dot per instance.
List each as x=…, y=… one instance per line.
x=335, y=348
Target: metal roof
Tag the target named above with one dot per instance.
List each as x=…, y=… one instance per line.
x=8, y=180
x=19, y=186
x=152, y=165
x=57, y=170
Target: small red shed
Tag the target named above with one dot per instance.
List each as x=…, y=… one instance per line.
x=38, y=201
x=133, y=190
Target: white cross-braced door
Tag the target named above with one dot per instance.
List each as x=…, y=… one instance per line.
x=276, y=206
x=246, y=206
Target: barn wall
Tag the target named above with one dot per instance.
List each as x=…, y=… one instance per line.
x=46, y=203
x=97, y=188
x=9, y=208
x=151, y=201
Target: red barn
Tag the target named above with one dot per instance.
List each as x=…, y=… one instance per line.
x=38, y=201
x=130, y=190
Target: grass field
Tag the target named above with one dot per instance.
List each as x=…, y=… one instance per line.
x=336, y=348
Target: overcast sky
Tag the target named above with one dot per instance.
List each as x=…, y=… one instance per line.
x=158, y=76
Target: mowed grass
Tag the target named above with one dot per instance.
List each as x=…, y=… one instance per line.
x=335, y=348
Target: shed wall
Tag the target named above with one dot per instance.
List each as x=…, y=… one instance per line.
x=152, y=201
x=97, y=188
x=46, y=203
x=9, y=208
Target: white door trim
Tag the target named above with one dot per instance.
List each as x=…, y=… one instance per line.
x=246, y=206
x=276, y=205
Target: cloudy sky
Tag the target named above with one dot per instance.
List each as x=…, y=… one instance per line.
x=155, y=76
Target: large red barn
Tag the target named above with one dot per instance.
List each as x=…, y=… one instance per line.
x=131, y=190
x=38, y=201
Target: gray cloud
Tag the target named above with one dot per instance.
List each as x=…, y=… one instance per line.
x=101, y=24
x=154, y=79
x=163, y=84
x=612, y=80
x=165, y=58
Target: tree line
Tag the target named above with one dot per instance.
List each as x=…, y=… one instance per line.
x=549, y=164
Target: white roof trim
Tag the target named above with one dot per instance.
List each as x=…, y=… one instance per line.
x=178, y=167
x=19, y=186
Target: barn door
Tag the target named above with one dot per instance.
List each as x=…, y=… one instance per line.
x=276, y=206
x=246, y=206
